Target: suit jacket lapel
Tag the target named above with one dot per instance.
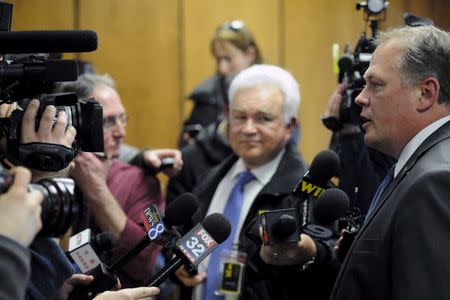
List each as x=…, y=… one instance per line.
x=442, y=133
x=436, y=137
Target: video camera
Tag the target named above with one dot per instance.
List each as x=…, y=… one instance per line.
x=353, y=66
x=27, y=76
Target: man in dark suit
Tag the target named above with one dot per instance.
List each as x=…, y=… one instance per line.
x=263, y=111
x=402, y=249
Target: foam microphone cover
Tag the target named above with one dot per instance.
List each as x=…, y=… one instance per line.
x=104, y=241
x=330, y=206
x=180, y=211
x=217, y=226
x=324, y=166
x=284, y=226
x=47, y=41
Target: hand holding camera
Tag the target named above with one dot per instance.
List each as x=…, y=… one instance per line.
x=21, y=209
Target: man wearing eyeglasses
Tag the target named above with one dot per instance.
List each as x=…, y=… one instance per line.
x=115, y=192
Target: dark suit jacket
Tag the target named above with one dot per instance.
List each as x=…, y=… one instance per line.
x=403, y=249
x=264, y=282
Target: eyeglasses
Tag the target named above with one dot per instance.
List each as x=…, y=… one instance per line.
x=109, y=123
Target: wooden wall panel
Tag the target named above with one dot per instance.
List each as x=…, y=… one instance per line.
x=201, y=17
x=42, y=14
x=308, y=57
x=138, y=46
x=159, y=50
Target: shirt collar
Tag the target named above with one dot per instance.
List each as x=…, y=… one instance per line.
x=416, y=141
x=262, y=173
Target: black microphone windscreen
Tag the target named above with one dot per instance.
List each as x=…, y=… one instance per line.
x=47, y=41
x=330, y=206
x=217, y=226
x=284, y=226
x=324, y=166
x=104, y=241
x=180, y=211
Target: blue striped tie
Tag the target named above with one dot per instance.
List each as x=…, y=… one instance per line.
x=232, y=212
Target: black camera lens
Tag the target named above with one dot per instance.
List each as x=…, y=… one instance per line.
x=60, y=207
x=61, y=204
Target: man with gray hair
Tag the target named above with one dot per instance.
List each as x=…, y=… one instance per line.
x=401, y=250
x=115, y=192
x=261, y=175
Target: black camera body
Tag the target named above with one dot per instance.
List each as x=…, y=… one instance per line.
x=85, y=115
x=33, y=76
x=353, y=66
x=25, y=76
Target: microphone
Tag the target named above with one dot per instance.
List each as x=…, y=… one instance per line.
x=323, y=167
x=195, y=245
x=85, y=249
x=283, y=226
x=47, y=41
x=160, y=228
x=177, y=213
x=280, y=226
x=329, y=207
x=82, y=252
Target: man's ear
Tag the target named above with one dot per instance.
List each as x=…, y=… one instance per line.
x=429, y=89
x=290, y=128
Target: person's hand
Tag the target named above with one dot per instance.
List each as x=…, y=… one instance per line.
x=334, y=103
x=89, y=173
x=333, y=110
x=6, y=109
x=69, y=285
x=188, y=280
x=153, y=158
x=339, y=241
x=20, y=210
x=129, y=294
x=289, y=254
x=51, y=130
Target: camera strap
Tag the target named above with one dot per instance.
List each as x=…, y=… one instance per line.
x=45, y=156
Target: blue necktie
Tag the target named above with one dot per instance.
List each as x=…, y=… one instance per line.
x=232, y=212
x=384, y=184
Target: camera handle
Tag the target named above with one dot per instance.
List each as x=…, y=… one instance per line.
x=45, y=156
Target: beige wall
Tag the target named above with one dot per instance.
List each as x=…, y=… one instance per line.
x=158, y=50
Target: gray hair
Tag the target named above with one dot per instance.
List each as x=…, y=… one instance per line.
x=269, y=75
x=426, y=53
x=85, y=85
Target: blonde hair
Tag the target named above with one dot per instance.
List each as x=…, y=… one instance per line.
x=237, y=34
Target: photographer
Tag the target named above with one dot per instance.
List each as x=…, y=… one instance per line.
x=362, y=168
x=115, y=192
x=49, y=265
x=19, y=209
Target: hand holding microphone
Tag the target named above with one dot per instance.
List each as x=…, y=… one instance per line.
x=195, y=245
x=160, y=230
x=284, y=225
x=289, y=254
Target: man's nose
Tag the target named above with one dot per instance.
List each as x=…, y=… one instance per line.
x=362, y=98
x=249, y=126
